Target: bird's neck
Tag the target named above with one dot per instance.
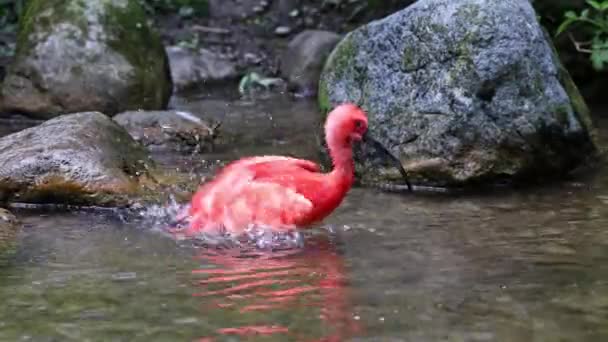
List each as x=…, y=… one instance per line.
x=343, y=165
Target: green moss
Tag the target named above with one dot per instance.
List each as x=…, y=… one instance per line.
x=337, y=66
x=129, y=30
x=55, y=12
x=408, y=60
x=342, y=57
x=323, y=97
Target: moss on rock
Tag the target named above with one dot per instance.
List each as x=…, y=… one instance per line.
x=77, y=55
x=462, y=92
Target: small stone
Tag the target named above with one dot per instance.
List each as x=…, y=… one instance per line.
x=252, y=59
x=193, y=69
x=282, y=31
x=258, y=9
x=294, y=13
x=124, y=276
x=304, y=58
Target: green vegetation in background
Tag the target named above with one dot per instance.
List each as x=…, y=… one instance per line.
x=10, y=10
x=594, y=22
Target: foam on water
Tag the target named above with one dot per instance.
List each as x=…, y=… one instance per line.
x=171, y=218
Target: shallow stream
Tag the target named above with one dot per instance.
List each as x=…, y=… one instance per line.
x=525, y=265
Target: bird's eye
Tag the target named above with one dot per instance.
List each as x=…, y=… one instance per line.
x=358, y=124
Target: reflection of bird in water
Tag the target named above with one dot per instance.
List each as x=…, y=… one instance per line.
x=301, y=294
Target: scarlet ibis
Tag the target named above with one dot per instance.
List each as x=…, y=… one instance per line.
x=278, y=192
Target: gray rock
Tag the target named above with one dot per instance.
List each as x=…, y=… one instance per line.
x=282, y=31
x=193, y=69
x=462, y=91
x=75, y=56
x=166, y=130
x=9, y=229
x=79, y=159
x=303, y=60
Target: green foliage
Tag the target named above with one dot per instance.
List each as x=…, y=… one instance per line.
x=185, y=8
x=10, y=11
x=595, y=19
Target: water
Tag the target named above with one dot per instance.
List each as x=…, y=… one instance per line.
x=505, y=266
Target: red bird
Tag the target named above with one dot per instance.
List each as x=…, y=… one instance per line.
x=278, y=192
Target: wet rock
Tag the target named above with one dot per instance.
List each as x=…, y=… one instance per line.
x=282, y=31
x=303, y=60
x=9, y=228
x=80, y=159
x=461, y=92
x=252, y=59
x=192, y=69
x=166, y=130
x=75, y=56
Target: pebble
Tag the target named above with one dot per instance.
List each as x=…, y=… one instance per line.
x=282, y=31
x=252, y=59
x=258, y=9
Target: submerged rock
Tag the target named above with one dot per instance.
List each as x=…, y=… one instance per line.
x=75, y=56
x=192, y=69
x=462, y=91
x=9, y=228
x=303, y=60
x=166, y=130
x=79, y=159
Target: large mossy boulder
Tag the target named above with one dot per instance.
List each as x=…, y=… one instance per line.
x=461, y=91
x=81, y=55
x=78, y=159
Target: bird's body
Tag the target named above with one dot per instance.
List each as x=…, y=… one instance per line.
x=280, y=192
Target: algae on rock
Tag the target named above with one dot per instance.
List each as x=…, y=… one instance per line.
x=77, y=55
x=76, y=159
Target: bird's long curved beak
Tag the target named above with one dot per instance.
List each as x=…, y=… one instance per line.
x=367, y=138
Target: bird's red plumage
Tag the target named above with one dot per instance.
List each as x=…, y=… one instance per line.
x=279, y=192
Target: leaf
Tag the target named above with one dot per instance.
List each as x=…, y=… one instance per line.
x=585, y=14
x=567, y=23
x=599, y=55
x=570, y=15
x=243, y=84
x=596, y=5
x=598, y=59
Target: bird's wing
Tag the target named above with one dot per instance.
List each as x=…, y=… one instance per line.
x=264, y=194
x=255, y=163
x=268, y=203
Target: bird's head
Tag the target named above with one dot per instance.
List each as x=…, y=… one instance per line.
x=347, y=124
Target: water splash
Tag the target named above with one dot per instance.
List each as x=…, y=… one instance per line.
x=171, y=219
